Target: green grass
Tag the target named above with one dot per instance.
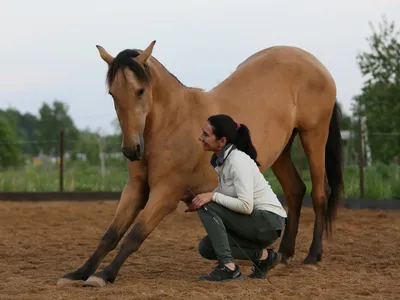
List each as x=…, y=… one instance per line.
x=77, y=177
x=381, y=181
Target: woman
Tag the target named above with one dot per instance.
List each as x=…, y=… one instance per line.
x=242, y=216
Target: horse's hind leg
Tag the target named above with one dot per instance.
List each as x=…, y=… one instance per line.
x=314, y=142
x=294, y=190
x=133, y=199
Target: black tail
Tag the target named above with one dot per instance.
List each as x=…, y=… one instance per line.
x=334, y=166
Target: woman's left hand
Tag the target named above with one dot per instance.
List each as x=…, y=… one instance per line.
x=202, y=199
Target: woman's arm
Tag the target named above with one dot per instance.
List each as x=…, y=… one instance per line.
x=243, y=181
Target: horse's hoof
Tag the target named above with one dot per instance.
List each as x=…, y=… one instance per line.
x=310, y=267
x=94, y=281
x=310, y=261
x=284, y=260
x=64, y=281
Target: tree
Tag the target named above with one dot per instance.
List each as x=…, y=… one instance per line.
x=379, y=100
x=30, y=125
x=26, y=129
x=90, y=144
x=9, y=146
x=52, y=121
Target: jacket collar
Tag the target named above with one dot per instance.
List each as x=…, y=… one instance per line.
x=223, y=154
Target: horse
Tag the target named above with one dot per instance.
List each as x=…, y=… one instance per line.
x=278, y=92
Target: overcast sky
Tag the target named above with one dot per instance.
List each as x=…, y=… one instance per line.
x=48, y=47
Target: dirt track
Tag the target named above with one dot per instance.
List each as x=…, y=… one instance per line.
x=41, y=241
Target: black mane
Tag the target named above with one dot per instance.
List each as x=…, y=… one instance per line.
x=125, y=59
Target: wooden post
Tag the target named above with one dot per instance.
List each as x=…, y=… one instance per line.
x=61, y=161
x=361, y=157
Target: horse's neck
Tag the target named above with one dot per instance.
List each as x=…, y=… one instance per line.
x=175, y=103
x=170, y=100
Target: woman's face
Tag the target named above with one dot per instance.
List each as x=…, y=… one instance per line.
x=209, y=140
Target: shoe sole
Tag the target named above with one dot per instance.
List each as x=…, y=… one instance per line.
x=224, y=280
x=232, y=279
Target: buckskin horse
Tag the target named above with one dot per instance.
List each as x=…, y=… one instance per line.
x=278, y=92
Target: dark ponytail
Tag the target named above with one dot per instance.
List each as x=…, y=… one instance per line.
x=235, y=133
x=245, y=144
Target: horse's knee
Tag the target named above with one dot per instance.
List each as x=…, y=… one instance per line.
x=295, y=197
x=297, y=192
x=109, y=240
x=133, y=240
x=319, y=199
x=206, y=248
x=300, y=190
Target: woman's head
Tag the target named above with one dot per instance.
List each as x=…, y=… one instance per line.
x=220, y=130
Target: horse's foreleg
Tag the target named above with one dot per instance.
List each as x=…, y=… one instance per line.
x=314, y=147
x=163, y=200
x=133, y=199
x=294, y=190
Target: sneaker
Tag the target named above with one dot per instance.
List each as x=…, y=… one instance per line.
x=222, y=274
x=262, y=267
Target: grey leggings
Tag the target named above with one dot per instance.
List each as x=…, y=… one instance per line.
x=252, y=233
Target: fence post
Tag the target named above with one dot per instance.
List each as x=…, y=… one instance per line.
x=61, y=189
x=361, y=157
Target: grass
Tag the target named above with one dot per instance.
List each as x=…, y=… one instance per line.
x=77, y=177
x=380, y=181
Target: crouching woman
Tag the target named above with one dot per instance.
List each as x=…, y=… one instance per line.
x=242, y=216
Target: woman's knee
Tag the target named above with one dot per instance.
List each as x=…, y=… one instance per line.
x=206, y=216
x=206, y=248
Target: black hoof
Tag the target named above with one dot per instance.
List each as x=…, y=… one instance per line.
x=107, y=275
x=310, y=260
x=284, y=258
x=77, y=275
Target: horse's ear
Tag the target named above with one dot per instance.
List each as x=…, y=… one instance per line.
x=145, y=55
x=105, y=55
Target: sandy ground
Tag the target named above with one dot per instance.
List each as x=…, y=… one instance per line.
x=41, y=241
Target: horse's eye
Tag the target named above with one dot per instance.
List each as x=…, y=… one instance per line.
x=140, y=92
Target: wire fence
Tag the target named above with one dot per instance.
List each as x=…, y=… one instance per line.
x=97, y=164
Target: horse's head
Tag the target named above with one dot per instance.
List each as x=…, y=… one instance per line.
x=129, y=83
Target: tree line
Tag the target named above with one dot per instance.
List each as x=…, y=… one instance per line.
x=27, y=135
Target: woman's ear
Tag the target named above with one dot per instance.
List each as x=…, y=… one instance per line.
x=223, y=142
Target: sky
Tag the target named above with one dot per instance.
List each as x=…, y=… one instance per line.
x=48, y=47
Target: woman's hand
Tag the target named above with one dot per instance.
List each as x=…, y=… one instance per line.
x=190, y=208
x=202, y=199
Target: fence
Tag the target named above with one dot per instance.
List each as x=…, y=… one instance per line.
x=97, y=165
x=62, y=165
x=364, y=177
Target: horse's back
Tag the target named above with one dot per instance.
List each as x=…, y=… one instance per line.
x=281, y=79
x=286, y=56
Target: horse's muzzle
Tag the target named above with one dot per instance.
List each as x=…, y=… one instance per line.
x=133, y=153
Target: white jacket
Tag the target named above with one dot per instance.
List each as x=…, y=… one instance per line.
x=242, y=187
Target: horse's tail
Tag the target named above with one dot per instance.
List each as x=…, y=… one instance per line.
x=334, y=166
